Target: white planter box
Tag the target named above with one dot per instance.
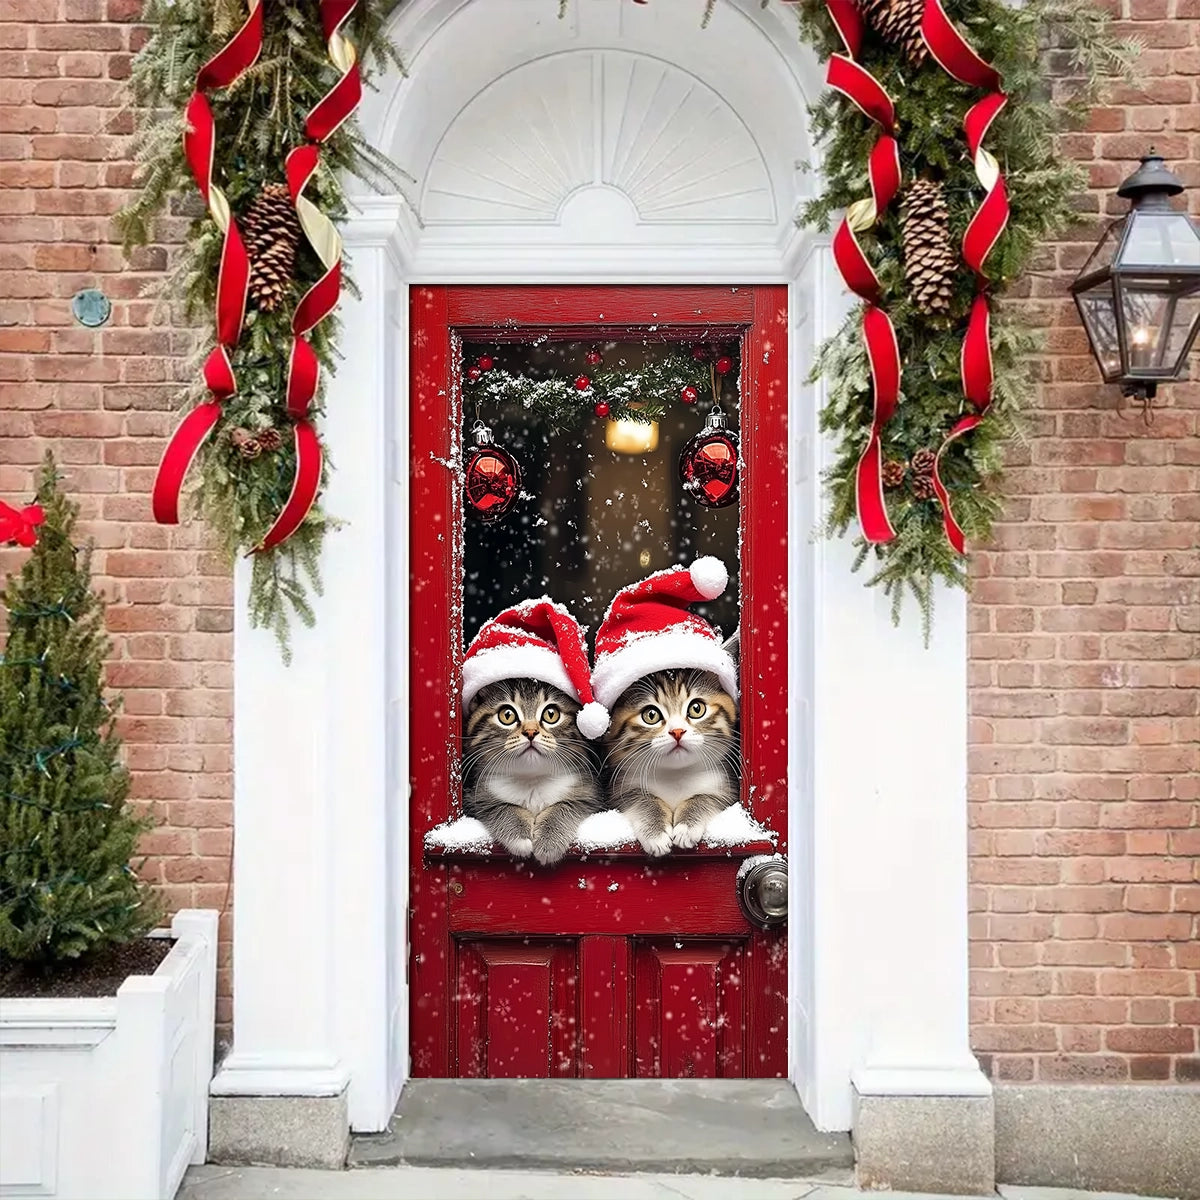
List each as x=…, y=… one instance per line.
x=108, y=1098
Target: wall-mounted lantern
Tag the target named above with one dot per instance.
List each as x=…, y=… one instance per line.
x=1139, y=292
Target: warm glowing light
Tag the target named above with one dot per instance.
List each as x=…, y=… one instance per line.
x=631, y=437
x=1141, y=336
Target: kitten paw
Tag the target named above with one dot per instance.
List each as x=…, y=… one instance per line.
x=547, y=855
x=521, y=848
x=658, y=845
x=686, y=836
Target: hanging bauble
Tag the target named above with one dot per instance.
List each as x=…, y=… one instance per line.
x=474, y=374
x=708, y=466
x=486, y=362
x=492, y=481
x=602, y=409
x=582, y=383
x=689, y=395
x=723, y=365
x=594, y=358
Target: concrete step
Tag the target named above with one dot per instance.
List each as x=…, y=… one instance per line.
x=752, y=1128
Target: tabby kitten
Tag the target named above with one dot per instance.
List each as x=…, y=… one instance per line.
x=672, y=756
x=528, y=771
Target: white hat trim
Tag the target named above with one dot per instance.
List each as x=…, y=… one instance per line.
x=514, y=662
x=661, y=651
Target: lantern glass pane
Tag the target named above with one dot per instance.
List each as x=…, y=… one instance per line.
x=1159, y=316
x=1106, y=249
x=1098, y=309
x=1161, y=240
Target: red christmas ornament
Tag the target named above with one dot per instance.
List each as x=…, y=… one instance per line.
x=492, y=481
x=582, y=383
x=19, y=525
x=689, y=395
x=708, y=466
x=594, y=358
x=474, y=374
x=724, y=364
x=700, y=353
x=486, y=362
x=602, y=409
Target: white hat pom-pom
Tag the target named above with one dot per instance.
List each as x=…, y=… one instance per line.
x=709, y=576
x=592, y=720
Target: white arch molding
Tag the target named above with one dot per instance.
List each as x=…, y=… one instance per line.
x=621, y=143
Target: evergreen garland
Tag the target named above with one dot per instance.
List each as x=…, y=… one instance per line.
x=631, y=393
x=1053, y=56
x=259, y=119
x=67, y=832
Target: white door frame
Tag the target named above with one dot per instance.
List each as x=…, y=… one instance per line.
x=877, y=790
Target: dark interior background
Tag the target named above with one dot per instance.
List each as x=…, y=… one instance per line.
x=590, y=520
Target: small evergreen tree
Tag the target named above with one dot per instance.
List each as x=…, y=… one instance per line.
x=67, y=832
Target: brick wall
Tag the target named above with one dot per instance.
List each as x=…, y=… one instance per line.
x=103, y=401
x=1085, y=678
x=1085, y=673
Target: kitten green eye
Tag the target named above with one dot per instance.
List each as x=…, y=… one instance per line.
x=651, y=715
x=697, y=708
x=550, y=714
x=507, y=715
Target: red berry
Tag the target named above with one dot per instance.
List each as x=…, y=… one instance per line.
x=594, y=358
x=473, y=374
x=487, y=362
x=724, y=364
x=602, y=409
x=582, y=383
x=689, y=395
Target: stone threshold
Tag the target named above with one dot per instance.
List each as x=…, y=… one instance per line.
x=750, y=1128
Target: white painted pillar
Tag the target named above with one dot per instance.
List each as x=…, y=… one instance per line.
x=886, y=1007
x=314, y=939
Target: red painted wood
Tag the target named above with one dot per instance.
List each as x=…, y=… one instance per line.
x=688, y=1017
x=764, y=491
x=517, y=1011
x=605, y=983
x=435, y=646
x=513, y=898
x=688, y=897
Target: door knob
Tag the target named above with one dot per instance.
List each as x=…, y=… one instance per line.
x=762, y=890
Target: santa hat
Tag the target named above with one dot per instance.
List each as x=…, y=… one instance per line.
x=536, y=639
x=648, y=628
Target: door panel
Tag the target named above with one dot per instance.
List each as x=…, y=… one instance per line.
x=688, y=1006
x=517, y=1015
x=608, y=965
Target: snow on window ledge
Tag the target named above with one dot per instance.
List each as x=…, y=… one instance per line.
x=608, y=830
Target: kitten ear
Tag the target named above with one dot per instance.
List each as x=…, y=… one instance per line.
x=733, y=646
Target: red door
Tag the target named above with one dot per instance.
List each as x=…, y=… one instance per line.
x=606, y=965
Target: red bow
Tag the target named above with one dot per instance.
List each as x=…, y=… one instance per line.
x=20, y=525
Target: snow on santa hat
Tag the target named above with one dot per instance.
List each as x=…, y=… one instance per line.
x=648, y=628
x=536, y=639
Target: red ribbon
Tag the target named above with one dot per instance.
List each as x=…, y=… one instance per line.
x=958, y=59
x=19, y=525
x=199, y=143
x=864, y=91
x=304, y=369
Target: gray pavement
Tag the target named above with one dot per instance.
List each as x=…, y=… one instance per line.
x=433, y=1183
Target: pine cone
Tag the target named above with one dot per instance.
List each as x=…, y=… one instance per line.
x=923, y=462
x=270, y=440
x=930, y=263
x=899, y=22
x=240, y=436
x=893, y=473
x=921, y=487
x=272, y=233
x=250, y=449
